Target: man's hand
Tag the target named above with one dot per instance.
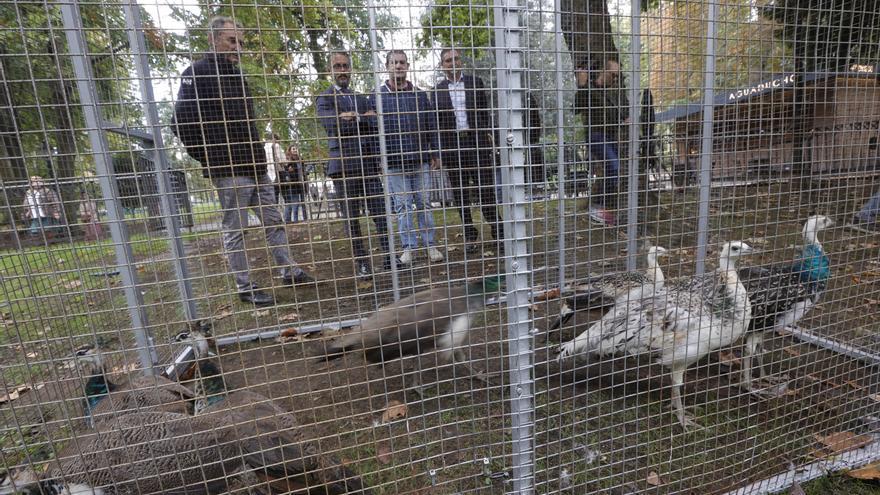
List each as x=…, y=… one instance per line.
x=369, y=113
x=348, y=115
x=436, y=163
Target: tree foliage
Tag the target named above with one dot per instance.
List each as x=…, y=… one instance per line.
x=465, y=24
x=828, y=34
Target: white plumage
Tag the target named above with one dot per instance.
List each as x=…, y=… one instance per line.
x=675, y=325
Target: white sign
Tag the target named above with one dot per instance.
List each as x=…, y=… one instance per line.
x=773, y=83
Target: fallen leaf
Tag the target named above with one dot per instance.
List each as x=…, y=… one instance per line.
x=289, y=317
x=791, y=351
x=14, y=394
x=316, y=237
x=383, y=453
x=452, y=249
x=126, y=368
x=874, y=397
x=729, y=358
x=872, y=301
x=223, y=314
x=260, y=313
x=547, y=295
x=73, y=284
x=654, y=479
x=855, y=279
x=290, y=332
x=31, y=355
x=395, y=410
x=842, y=441
x=364, y=284
x=868, y=472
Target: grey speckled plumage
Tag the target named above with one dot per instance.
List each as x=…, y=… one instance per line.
x=274, y=446
x=105, y=399
x=601, y=292
x=676, y=326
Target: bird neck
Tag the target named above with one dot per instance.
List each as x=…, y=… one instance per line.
x=736, y=290
x=96, y=389
x=655, y=273
x=812, y=265
x=210, y=387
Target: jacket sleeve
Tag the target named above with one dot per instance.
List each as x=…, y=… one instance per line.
x=333, y=125
x=428, y=119
x=369, y=124
x=187, y=119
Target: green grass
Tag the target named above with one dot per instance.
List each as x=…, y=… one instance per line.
x=840, y=484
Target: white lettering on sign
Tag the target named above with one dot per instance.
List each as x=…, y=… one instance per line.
x=861, y=68
x=752, y=90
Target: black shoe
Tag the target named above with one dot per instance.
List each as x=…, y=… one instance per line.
x=300, y=278
x=473, y=247
x=256, y=297
x=362, y=271
x=386, y=265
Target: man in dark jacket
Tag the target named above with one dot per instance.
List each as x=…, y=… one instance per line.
x=602, y=103
x=214, y=118
x=412, y=147
x=352, y=128
x=464, y=117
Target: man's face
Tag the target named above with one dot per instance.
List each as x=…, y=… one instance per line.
x=340, y=67
x=228, y=42
x=36, y=182
x=610, y=76
x=398, y=66
x=451, y=64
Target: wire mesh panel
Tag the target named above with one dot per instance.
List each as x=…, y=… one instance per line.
x=437, y=247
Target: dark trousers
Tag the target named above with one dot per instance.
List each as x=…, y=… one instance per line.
x=362, y=197
x=475, y=186
x=603, y=148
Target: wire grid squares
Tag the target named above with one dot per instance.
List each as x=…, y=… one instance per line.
x=365, y=274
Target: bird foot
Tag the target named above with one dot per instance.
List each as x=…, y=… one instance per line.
x=688, y=423
x=767, y=389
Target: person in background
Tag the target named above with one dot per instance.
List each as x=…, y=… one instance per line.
x=42, y=208
x=412, y=145
x=275, y=158
x=214, y=118
x=464, y=118
x=865, y=220
x=353, y=131
x=602, y=103
x=292, y=177
x=89, y=217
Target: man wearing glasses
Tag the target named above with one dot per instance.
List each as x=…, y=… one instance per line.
x=352, y=128
x=464, y=117
x=214, y=118
x=602, y=103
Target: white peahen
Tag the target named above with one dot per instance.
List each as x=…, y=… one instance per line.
x=677, y=326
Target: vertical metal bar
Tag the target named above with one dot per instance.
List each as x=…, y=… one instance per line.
x=509, y=60
x=560, y=145
x=383, y=149
x=635, y=105
x=706, y=144
x=118, y=232
x=160, y=159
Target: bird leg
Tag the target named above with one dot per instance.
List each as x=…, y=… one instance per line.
x=686, y=420
x=773, y=386
x=459, y=357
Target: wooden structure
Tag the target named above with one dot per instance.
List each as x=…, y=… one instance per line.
x=754, y=126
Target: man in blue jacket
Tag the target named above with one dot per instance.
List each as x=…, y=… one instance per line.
x=464, y=116
x=352, y=128
x=412, y=146
x=214, y=118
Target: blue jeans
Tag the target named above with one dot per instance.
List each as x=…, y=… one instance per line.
x=604, y=149
x=408, y=190
x=869, y=212
x=292, y=205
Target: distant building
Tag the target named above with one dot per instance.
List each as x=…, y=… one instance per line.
x=754, y=126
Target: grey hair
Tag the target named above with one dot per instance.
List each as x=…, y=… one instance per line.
x=219, y=22
x=334, y=53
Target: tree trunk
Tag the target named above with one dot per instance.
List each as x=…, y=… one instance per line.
x=12, y=167
x=586, y=28
x=63, y=135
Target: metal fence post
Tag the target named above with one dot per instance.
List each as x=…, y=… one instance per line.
x=88, y=94
x=383, y=151
x=511, y=95
x=160, y=159
x=635, y=105
x=560, y=144
x=706, y=141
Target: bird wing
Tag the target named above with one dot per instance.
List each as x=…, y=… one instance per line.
x=773, y=293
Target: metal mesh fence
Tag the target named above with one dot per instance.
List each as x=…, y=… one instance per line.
x=437, y=247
